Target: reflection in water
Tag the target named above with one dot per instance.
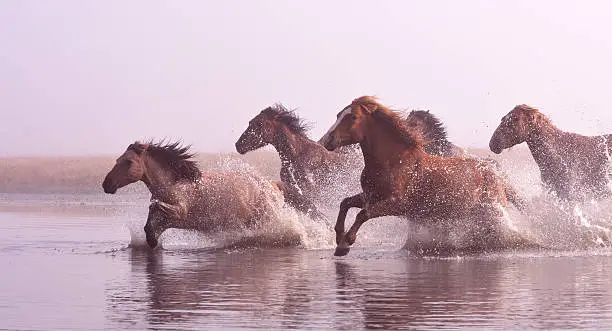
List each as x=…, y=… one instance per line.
x=297, y=289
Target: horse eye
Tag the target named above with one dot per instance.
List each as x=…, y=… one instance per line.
x=353, y=117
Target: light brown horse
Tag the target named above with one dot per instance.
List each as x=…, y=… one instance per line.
x=400, y=179
x=573, y=166
x=185, y=198
x=305, y=164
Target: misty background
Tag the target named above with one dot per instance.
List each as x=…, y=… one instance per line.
x=90, y=77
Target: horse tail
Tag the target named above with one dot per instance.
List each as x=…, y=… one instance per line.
x=513, y=196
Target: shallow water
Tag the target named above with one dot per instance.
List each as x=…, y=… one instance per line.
x=67, y=263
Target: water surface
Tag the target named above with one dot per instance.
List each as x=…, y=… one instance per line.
x=67, y=264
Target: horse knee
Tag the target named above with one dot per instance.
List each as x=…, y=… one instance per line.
x=344, y=204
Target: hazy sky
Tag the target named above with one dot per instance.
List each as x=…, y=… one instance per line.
x=90, y=77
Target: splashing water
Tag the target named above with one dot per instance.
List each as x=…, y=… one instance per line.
x=547, y=223
x=282, y=226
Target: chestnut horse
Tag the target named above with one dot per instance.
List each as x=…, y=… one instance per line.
x=400, y=179
x=573, y=166
x=305, y=164
x=434, y=133
x=186, y=197
x=436, y=143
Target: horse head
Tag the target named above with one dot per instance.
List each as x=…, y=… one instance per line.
x=349, y=127
x=259, y=133
x=515, y=128
x=264, y=128
x=129, y=168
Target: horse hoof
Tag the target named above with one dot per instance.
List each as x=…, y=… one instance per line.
x=341, y=251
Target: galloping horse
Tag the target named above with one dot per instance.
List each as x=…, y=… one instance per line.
x=305, y=164
x=400, y=179
x=573, y=166
x=434, y=133
x=436, y=143
x=186, y=198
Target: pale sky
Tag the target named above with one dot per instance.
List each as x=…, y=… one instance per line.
x=89, y=77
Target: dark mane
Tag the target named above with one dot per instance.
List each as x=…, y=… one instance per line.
x=177, y=157
x=287, y=117
x=390, y=119
x=434, y=129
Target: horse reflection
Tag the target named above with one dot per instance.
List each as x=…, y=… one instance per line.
x=416, y=292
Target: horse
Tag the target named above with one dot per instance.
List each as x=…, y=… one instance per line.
x=184, y=197
x=401, y=179
x=572, y=166
x=436, y=143
x=434, y=133
x=305, y=164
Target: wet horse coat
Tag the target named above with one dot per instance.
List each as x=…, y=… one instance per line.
x=183, y=197
x=305, y=164
x=400, y=179
x=573, y=166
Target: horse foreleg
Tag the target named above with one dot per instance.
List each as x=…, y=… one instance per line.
x=378, y=209
x=356, y=201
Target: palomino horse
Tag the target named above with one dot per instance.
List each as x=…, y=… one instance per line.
x=186, y=197
x=305, y=165
x=400, y=179
x=434, y=133
x=574, y=166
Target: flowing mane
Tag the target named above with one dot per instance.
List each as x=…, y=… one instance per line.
x=537, y=116
x=434, y=129
x=177, y=157
x=390, y=119
x=289, y=118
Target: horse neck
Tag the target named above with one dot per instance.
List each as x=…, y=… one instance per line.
x=542, y=141
x=157, y=178
x=290, y=145
x=381, y=147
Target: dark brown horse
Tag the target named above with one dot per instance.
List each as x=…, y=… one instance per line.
x=572, y=166
x=305, y=165
x=400, y=179
x=185, y=198
x=434, y=134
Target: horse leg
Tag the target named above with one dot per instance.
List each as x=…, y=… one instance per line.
x=298, y=201
x=378, y=209
x=356, y=201
x=514, y=198
x=161, y=215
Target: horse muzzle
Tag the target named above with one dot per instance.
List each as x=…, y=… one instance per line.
x=240, y=148
x=108, y=187
x=495, y=147
x=328, y=142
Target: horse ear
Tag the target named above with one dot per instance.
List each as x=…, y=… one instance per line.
x=139, y=148
x=427, y=111
x=369, y=108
